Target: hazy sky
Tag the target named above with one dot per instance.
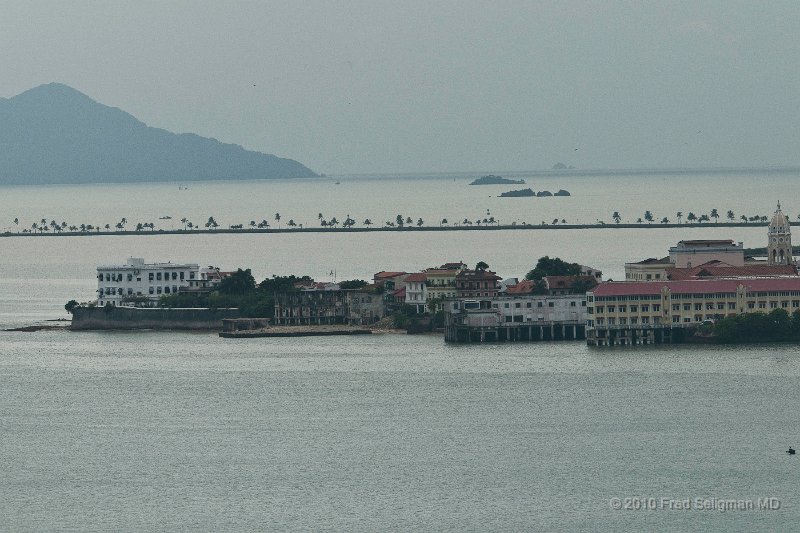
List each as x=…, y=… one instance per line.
x=419, y=86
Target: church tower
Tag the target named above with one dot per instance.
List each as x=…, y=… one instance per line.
x=779, y=247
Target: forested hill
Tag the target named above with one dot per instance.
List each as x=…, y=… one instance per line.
x=55, y=134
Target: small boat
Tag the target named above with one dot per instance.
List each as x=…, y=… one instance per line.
x=791, y=451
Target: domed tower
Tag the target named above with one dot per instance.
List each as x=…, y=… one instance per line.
x=779, y=247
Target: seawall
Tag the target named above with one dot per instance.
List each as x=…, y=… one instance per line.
x=93, y=318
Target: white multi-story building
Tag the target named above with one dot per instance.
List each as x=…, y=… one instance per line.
x=121, y=284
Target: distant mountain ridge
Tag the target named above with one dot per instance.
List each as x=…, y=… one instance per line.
x=56, y=134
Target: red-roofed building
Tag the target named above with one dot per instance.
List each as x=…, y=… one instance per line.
x=477, y=284
x=718, y=269
x=628, y=312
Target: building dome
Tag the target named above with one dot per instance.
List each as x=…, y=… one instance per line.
x=780, y=222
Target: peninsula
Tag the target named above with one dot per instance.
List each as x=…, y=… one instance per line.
x=55, y=134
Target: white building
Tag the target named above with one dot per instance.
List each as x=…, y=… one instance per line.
x=417, y=291
x=120, y=284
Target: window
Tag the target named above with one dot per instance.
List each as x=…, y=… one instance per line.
x=539, y=304
x=612, y=309
x=166, y=290
x=709, y=306
x=645, y=309
x=773, y=305
x=645, y=320
x=518, y=305
x=732, y=306
x=130, y=277
x=687, y=307
x=150, y=276
x=634, y=308
x=158, y=276
x=751, y=305
x=191, y=275
x=572, y=304
x=676, y=319
x=656, y=307
x=108, y=277
x=762, y=305
x=174, y=275
x=785, y=304
x=634, y=320
x=698, y=307
x=151, y=288
x=528, y=305
x=550, y=304
x=676, y=307
x=721, y=306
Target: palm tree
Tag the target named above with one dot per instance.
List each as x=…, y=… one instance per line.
x=184, y=220
x=291, y=223
x=648, y=216
x=491, y=220
x=319, y=216
x=278, y=219
x=189, y=225
x=443, y=222
x=83, y=227
x=419, y=223
x=333, y=223
x=731, y=216
x=665, y=220
x=691, y=217
x=679, y=216
x=34, y=226
x=367, y=222
x=616, y=216
x=399, y=220
x=16, y=222
x=108, y=227
x=409, y=221
x=639, y=220
x=211, y=223
x=704, y=218
x=715, y=216
x=744, y=218
x=253, y=224
x=555, y=221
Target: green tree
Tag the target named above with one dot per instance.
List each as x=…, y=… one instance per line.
x=714, y=215
x=367, y=222
x=240, y=282
x=616, y=216
x=353, y=284
x=546, y=266
x=679, y=216
x=481, y=266
x=419, y=223
x=70, y=306
x=691, y=217
x=648, y=216
x=443, y=222
x=730, y=215
x=399, y=220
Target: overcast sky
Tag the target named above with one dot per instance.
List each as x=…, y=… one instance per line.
x=434, y=86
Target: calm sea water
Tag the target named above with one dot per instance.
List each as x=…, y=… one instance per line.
x=153, y=430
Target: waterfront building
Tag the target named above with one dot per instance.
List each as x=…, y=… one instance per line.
x=441, y=281
x=477, y=284
x=718, y=269
x=140, y=283
x=416, y=291
x=516, y=317
x=650, y=311
x=779, y=246
x=317, y=307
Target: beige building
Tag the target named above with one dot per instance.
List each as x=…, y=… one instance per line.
x=629, y=310
x=696, y=252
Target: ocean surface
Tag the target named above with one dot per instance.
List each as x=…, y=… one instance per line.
x=157, y=430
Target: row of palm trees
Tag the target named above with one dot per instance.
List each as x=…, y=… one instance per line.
x=693, y=218
x=399, y=221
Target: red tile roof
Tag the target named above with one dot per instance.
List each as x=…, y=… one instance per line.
x=384, y=275
x=525, y=286
x=566, y=282
x=635, y=288
x=416, y=276
x=718, y=269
